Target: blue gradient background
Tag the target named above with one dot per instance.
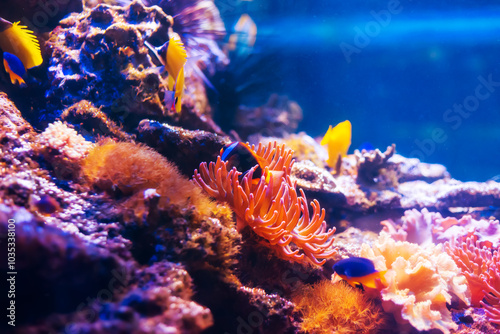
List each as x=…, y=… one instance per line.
x=397, y=89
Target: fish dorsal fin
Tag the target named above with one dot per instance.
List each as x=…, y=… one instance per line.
x=21, y=41
x=176, y=57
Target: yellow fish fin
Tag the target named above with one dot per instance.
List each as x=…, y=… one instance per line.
x=368, y=281
x=176, y=58
x=338, y=140
x=179, y=90
x=170, y=83
x=20, y=41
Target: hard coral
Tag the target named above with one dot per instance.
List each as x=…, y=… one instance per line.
x=272, y=209
x=420, y=282
x=481, y=267
x=337, y=308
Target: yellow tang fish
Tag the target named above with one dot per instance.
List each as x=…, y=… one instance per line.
x=18, y=40
x=338, y=140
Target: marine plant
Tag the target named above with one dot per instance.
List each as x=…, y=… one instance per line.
x=481, y=267
x=271, y=207
x=336, y=308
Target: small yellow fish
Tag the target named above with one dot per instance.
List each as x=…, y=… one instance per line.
x=18, y=40
x=338, y=140
x=173, y=56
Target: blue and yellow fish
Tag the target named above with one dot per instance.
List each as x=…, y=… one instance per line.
x=359, y=271
x=173, y=57
x=14, y=67
x=241, y=156
x=338, y=140
x=21, y=50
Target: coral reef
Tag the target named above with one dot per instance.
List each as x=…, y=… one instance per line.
x=424, y=227
x=480, y=265
x=371, y=165
x=63, y=148
x=271, y=208
x=62, y=265
x=337, y=308
x=185, y=148
x=100, y=55
x=420, y=282
x=113, y=237
x=92, y=123
x=304, y=147
x=126, y=169
x=277, y=118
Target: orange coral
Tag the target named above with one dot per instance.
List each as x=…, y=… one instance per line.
x=481, y=267
x=336, y=308
x=271, y=208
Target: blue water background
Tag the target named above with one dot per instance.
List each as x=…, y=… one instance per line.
x=399, y=86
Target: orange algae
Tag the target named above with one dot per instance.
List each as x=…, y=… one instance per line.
x=126, y=169
x=337, y=308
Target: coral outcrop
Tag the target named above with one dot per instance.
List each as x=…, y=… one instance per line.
x=100, y=55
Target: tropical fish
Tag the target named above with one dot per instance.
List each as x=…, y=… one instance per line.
x=241, y=156
x=14, y=67
x=359, y=271
x=244, y=36
x=338, y=140
x=16, y=39
x=173, y=57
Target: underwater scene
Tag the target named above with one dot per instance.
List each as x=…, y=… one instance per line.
x=249, y=166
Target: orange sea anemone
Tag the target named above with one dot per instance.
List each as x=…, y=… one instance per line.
x=271, y=207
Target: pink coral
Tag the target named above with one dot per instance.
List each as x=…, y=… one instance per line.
x=272, y=208
x=424, y=227
x=481, y=267
x=60, y=137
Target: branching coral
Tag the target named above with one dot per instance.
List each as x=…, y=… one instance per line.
x=420, y=282
x=481, y=267
x=272, y=208
x=336, y=308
